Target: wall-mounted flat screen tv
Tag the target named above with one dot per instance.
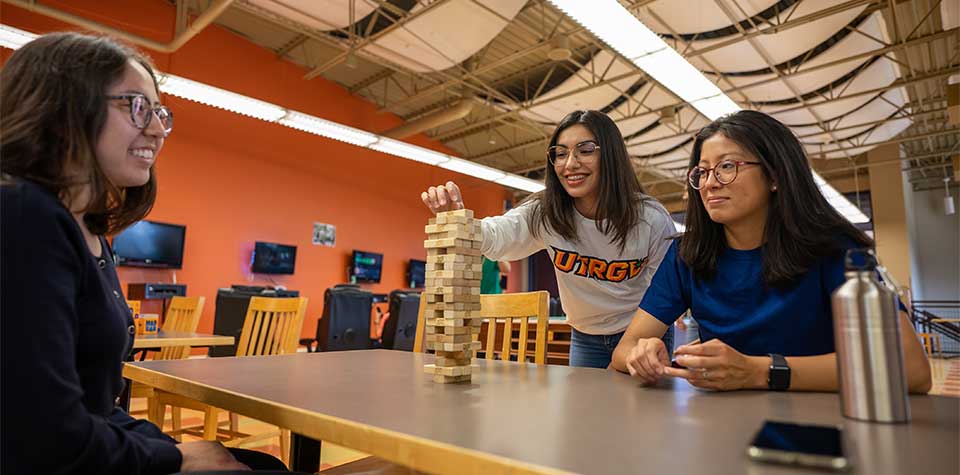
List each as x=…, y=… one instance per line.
x=416, y=273
x=273, y=258
x=366, y=266
x=150, y=244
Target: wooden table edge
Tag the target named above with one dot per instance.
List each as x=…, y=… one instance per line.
x=410, y=451
x=145, y=343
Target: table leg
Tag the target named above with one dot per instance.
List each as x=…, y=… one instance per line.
x=305, y=454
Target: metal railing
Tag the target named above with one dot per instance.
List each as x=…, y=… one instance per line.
x=939, y=317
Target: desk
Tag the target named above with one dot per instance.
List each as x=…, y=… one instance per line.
x=519, y=418
x=171, y=338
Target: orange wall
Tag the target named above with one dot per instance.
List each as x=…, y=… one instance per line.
x=233, y=180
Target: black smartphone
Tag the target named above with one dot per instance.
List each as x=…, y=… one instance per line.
x=674, y=364
x=796, y=444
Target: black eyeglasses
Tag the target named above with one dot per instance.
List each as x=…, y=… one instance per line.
x=585, y=151
x=142, y=112
x=725, y=172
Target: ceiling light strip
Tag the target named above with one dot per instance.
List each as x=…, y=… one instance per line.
x=14, y=38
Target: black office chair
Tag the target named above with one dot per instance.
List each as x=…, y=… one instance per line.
x=345, y=323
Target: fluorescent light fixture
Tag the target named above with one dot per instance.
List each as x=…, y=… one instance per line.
x=676, y=73
x=220, y=98
x=839, y=202
x=613, y=24
x=325, y=128
x=609, y=21
x=409, y=151
x=467, y=167
x=14, y=38
x=521, y=183
x=718, y=106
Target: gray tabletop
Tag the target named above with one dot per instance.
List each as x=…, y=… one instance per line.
x=543, y=419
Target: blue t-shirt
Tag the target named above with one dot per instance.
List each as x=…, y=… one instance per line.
x=736, y=307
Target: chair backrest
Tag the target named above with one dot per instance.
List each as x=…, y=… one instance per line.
x=272, y=326
x=506, y=308
x=183, y=315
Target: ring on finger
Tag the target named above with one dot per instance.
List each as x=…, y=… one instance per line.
x=704, y=374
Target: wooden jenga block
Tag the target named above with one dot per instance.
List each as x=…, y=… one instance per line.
x=464, y=330
x=437, y=378
x=441, y=346
x=464, y=314
x=443, y=362
x=476, y=244
x=448, y=370
x=443, y=228
x=453, y=274
x=450, y=243
x=464, y=235
x=443, y=218
x=451, y=290
x=434, y=282
x=455, y=306
x=445, y=338
x=454, y=266
x=457, y=355
x=467, y=213
x=440, y=251
x=445, y=322
x=444, y=258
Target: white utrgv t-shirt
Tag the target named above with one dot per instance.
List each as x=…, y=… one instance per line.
x=600, y=287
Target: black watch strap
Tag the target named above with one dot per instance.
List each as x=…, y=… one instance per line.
x=779, y=378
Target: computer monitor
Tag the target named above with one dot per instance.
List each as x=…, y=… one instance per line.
x=150, y=244
x=366, y=266
x=273, y=258
x=416, y=273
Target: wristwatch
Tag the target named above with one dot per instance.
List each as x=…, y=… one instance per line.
x=779, y=378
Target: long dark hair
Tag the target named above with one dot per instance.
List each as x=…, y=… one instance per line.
x=621, y=195
x=801, y=225
x=52, y=110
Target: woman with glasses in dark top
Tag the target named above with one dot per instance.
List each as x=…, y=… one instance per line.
x=81, y=126
x=605, y=237
x=762, y=253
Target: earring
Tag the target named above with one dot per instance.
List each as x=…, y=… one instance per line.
x=774, y=188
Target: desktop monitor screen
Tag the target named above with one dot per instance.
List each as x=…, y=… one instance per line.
x=150, y=244
x=273, y=258
x=366, y=266
x=416, y=273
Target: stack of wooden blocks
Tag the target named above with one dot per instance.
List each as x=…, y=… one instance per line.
x=452, y=291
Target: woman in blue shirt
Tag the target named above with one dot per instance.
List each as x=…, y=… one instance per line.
x=762, y=253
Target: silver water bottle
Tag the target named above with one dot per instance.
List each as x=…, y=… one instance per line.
x=873, y=381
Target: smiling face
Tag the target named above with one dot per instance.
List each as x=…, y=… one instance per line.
x=124, y=152
x=745, y=199
x=579, y=174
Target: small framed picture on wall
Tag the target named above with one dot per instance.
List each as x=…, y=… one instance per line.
x=324, y=234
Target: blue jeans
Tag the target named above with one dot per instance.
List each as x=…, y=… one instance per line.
x=596, y=351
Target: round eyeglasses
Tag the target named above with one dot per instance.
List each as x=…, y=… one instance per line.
x=585, y=151
x=725, y=172
x=142, y=112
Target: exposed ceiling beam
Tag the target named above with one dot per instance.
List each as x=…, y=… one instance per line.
x=206, y=18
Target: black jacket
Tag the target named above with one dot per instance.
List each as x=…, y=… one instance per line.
x=65, y=331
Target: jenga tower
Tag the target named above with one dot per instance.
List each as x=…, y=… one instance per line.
x=452, y=294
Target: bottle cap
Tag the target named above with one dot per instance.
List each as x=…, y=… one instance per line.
x=860, y=259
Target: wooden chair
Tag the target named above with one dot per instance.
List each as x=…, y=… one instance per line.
x=272, y=327
x=500, y=310
x=183, y=315
x=931, y=343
